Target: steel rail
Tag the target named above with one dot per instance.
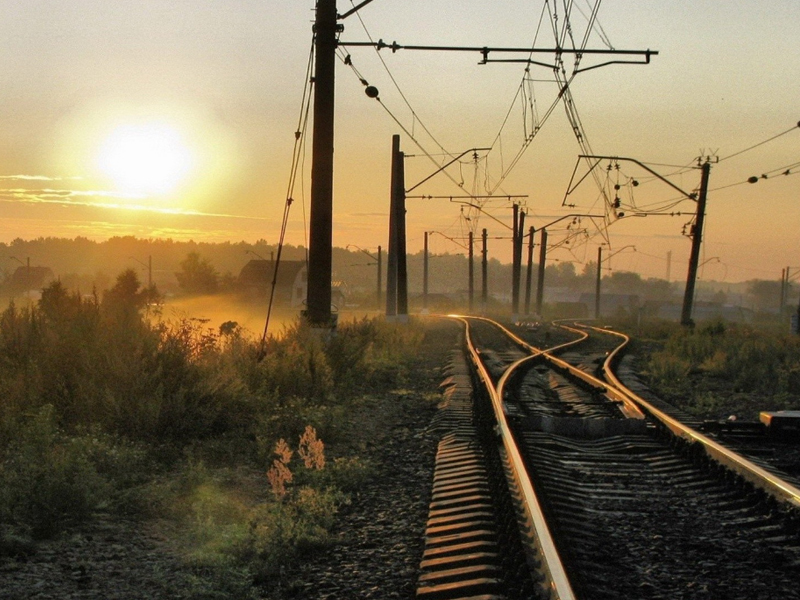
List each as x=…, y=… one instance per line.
x=751, y=472
x=552, y=568
x=629, y=407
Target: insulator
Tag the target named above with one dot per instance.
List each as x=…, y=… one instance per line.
x=616, y=186
x=634, y=182
x=752, y=179
x=371, y=91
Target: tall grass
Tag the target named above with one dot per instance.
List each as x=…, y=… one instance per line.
x=722, y=368
x=104, y=409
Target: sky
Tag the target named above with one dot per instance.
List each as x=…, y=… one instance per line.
x=177, y=118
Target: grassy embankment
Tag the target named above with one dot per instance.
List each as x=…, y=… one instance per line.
x=720, y=369
x=104, y=410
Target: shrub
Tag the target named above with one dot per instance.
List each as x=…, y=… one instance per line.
x=282, y=532
x=668, y=370
x=47, y=479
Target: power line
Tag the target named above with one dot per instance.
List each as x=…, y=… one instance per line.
x=297, y=153
x=774, y=137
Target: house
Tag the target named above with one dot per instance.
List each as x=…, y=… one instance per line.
x=27, y=278
x=291, y=284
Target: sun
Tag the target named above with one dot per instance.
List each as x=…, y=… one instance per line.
x=146, y=158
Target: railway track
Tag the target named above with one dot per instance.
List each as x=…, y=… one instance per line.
x=614, y=498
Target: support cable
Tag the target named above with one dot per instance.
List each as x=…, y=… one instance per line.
x=774, y=137
x=297, y=153
x=399, y=90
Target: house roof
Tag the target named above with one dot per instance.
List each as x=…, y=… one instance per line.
x=261, y=272
x=31, y=276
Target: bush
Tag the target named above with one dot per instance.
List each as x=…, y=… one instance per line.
x=98, y=401
x=47, y=479
x=722, y=368
x=282, y=532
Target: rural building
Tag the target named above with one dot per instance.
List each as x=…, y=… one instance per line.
x=291, y=284
x=31, y=278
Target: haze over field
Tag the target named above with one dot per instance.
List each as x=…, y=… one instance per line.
x=177, y=119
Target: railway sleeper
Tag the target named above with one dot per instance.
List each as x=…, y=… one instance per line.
x=466, y=555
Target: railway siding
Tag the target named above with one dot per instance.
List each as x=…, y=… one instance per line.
x=636, y=511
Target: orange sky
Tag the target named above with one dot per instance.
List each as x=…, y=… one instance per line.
x=226, y=82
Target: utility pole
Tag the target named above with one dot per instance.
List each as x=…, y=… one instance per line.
x=514, y=265
x=391, y=261
x=669, y=264
x=597, y=283
x=782, y=300
x=471, y=275
x=484, y=271
x=380, y=266
x=397, y=272
x=697, y=238
x=425, y=275
x=529, y=279
x=542, y=258
x=402, y=265
x=696, y=232
x=520, y=228
x=318, y=299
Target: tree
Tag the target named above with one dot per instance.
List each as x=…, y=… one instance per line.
x=765, y=293
x=197, y=276
x=124, y=297
x=624, y=282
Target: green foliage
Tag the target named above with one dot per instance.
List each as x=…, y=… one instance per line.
x=719, y=365
x=49, y=479
x=668, y=370
x=197, y=275
x=99, y=402
x=282, y=532
x=296, y=366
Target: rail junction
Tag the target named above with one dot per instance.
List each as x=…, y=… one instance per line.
x=555, y=479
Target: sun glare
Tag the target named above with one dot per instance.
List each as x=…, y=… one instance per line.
x=148, y=158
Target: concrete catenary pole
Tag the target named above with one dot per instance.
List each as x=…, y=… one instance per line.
x=697, y=238
x=529, y=280
x=484, y=270
x=391, y=260
x=597, y=283
x=318, y=299
x=542, y=259
x=471, y=263
x=425, y=274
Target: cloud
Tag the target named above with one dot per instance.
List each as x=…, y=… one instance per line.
x=73, y=198
x=38, y=178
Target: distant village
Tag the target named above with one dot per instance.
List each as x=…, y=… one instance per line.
x=249, y=271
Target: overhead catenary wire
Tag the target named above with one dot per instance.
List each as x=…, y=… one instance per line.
x=774, y=137
x=347, y=60
x=399, y=90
